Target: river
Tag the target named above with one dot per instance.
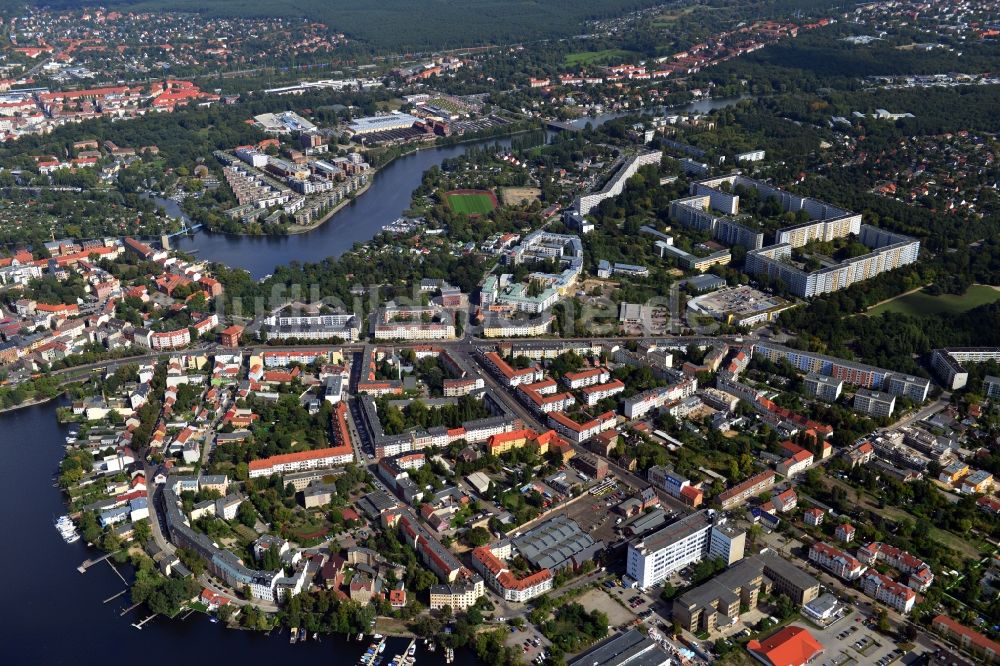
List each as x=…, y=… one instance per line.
x=361, y=220
x=56, y=615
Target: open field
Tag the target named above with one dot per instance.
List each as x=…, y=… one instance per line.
x=600, y=601
x=594, y=57
x=921, y=303
x=668, y=18
x=513, y=196
x=471, y=202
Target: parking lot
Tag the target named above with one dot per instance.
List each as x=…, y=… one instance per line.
x=849, y=641
x=594, y=515
x=531, y=644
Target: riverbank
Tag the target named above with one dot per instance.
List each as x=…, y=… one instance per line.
x=30, y=403
x=302, y=229
x=413, y=149
x=94, y=609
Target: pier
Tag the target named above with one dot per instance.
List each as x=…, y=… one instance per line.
x=112, y=598
x=89, y=563
x=129, y=609
x=140, y=624
x=115, y=569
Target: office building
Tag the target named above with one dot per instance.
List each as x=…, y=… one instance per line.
x=655, y=557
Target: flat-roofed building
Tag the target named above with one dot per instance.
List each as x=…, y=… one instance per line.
x=823, y=387
x=631, y=648
x=874, y=403
x=653, y=558
x=557, y=543
x=717, y=603
x=788, y=579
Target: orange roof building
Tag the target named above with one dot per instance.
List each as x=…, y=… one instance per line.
x=302, y=460
x=791, y=646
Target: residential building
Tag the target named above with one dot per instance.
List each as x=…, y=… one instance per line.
x=823, y=387
x=488, y=562
x=874, y=403
x=845, y=532
x=302, y=460
x=837, y=562
x=741, y=492
x=919, y=574
x=882, y=588
x=587, y=202
x=813, y=516
x=950, y=363
x=460, y=596
x=972, y=642
x=977, y=483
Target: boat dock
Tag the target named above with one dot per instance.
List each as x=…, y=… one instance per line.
x=89, y=563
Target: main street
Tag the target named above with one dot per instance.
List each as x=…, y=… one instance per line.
x=465, y=344
x=530, y=420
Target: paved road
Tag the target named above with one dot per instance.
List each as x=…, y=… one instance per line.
x=466, y=344
x=531, y=420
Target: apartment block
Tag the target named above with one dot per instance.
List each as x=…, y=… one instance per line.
x=874, y=403
x=823, y=387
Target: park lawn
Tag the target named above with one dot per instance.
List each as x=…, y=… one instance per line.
x=921, y=303
x=470, y=204
x=592, y=57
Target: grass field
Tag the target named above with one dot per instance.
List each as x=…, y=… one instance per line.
x=921, y=303
x=593, y=57
x=471, y=202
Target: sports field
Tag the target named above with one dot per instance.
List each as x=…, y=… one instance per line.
x=471, y=202
x=921, y=303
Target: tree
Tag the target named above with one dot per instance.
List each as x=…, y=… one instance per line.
x=246, y=514
x=883, y=622
x=477, y=536
x=142, y=532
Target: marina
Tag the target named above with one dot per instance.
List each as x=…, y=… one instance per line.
x=67, y=530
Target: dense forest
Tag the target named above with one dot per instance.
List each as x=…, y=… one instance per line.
x=412, y=24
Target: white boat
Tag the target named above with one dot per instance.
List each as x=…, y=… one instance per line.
x=73, y=538
x=381, y=647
